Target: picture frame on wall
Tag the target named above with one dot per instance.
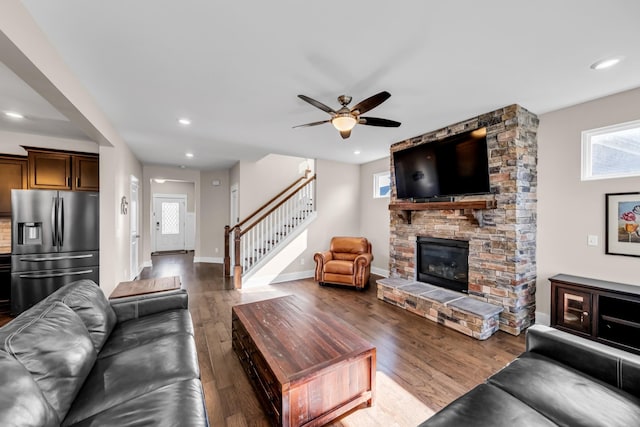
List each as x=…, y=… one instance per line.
x=381, y=185
x=622, y=218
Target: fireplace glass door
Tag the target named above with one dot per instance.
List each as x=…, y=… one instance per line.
x=443, y=262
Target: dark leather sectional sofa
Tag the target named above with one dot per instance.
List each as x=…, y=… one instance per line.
x=560, y=379
x=77, y=359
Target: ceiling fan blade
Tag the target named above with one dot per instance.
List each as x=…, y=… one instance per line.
x=312, y=124
x=375, y=121
x=317, y=104
x=371, y=102
x=345, y=134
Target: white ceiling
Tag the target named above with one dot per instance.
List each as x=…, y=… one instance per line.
x=234, y=68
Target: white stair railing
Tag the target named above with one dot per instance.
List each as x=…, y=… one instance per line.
x=262, y=236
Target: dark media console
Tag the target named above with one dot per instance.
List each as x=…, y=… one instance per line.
x=603, y=311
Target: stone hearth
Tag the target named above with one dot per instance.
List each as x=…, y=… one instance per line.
x=502, y=263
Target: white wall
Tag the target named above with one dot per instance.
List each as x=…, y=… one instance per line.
x=117, y=164
x=261, y=180
x=570, y=209
x=374, y=216
x=11, y=142
x=214, y=208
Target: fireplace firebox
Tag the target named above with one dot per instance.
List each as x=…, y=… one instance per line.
x=443, y=262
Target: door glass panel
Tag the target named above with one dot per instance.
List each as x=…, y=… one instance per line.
x=572, y=308
x=170, y=218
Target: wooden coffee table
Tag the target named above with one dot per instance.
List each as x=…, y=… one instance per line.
x=145, y=286
x=307, y=367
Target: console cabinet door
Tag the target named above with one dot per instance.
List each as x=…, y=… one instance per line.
x=13, y=175
x=573, y=310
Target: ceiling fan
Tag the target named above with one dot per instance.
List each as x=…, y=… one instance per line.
x=344, y=119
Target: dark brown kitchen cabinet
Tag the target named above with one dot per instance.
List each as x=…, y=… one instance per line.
x=86, y=173
x=63, y=170
x=13, y=175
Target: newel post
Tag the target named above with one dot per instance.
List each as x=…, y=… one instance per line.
x=227, y=258
x=237, y=269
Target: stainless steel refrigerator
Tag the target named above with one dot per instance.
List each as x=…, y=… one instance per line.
x=54, y=241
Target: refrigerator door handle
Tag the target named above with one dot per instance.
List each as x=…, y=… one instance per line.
x=44, y=276
x=57, y=258
x=60, y=226
x=54, y=228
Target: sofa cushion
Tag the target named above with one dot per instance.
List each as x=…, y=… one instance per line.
x=178, y=404
x=348, y=248
x=339, y=267
x=55, y=348
x=88, y=301
x=135, y=332
x=136, y=371
x=565, y=395
x=22, y=402
x=487, y=406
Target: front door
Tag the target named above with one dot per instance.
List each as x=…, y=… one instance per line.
x=169, y=222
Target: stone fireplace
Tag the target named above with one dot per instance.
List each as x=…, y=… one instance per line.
x=502, y=237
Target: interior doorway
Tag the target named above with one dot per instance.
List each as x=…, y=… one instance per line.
x=134, y=216
x=168, y=226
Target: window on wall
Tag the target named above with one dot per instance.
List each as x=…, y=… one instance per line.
x=381, y=185
x=611, y=151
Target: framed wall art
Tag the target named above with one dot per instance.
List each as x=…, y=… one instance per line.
x=381, y=185
x=623, y=224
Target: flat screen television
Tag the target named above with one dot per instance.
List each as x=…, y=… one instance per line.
x=454, y=166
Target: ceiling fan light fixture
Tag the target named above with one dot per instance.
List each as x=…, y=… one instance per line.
x=344, y=122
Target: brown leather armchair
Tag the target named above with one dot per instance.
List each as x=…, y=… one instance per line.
x=347, y=262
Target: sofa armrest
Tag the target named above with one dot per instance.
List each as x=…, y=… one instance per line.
x=616, y=367
x=321, y=259
x=143, y=305
x=363, y=260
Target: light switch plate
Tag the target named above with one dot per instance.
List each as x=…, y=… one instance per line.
x=592, y=240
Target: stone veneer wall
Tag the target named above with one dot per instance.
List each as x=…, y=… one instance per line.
x=502, y=250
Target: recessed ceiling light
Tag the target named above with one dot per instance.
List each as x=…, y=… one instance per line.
x=13, y=115
x=605, y=63
x=189, y=155
x=184, y=121
x=356, y=152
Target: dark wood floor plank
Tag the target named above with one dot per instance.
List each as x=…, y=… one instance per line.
x=422, y=366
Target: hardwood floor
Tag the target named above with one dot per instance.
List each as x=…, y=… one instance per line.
x=421, y=366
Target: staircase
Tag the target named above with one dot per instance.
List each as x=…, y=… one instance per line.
x=261, y=235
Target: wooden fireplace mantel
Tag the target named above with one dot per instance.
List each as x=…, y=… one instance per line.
x=406, y=208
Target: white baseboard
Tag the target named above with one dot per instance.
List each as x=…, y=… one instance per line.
x=271, y=279
x=380, y=271
x=209, y=259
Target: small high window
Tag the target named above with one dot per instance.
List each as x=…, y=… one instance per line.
x=611, y=151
